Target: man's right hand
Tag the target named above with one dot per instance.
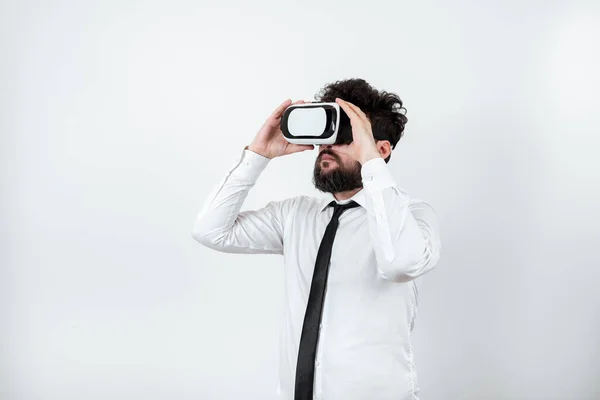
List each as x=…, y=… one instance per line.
x=270, y=142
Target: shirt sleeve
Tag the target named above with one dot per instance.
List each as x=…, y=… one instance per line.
x=221, y=226
x=404, y=231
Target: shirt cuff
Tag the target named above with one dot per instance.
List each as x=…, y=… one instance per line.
x=250, y=165
x=376, y=175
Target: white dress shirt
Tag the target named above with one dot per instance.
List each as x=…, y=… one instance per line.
x=381, y=250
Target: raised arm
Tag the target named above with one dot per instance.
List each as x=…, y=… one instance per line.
x=220, y=225
x=404, y=231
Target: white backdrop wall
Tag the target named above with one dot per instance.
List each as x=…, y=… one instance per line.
x=118, y=118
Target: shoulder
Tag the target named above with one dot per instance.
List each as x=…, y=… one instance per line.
x=304, y=202
x=297, y=203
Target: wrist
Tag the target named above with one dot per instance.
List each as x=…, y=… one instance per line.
x=369, y=156
x=257, y=151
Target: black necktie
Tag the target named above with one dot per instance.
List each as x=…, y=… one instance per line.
x=305, y=367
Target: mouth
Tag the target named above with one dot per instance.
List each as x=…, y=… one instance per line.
x=327, y=157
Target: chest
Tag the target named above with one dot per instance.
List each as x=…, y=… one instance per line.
x=352, y=255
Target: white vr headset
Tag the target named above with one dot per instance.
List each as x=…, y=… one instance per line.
x=318, y=123
x=314, y=123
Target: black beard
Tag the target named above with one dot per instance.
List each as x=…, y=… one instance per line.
x=338, y=179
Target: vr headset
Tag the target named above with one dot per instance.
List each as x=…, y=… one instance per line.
x=318, y=123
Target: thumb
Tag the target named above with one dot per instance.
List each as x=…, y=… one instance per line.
x=296, y=148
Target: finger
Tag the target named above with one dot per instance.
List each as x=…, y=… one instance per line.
x=356, y=109
x=279, y=110
x=276, y=117
x=354, y=117
x=344, y=106
x=296, y=148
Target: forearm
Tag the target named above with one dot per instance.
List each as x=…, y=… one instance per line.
x=397, y=241
x=403, y=232
x=223, y=204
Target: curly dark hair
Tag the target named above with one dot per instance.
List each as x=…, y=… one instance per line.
x=383, y=109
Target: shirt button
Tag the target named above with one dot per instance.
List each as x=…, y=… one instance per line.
x=317, y=364
x=320, y=326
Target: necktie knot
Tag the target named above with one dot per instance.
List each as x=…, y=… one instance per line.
x=338, y=209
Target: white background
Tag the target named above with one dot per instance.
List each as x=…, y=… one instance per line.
x=118, y=118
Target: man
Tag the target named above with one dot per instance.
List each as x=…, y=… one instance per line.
x=384, y=242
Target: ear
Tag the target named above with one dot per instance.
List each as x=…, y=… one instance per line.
x=384, y=147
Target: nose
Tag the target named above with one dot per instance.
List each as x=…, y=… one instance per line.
x=326, y=147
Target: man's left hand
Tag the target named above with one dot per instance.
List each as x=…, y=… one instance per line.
x=362, y=134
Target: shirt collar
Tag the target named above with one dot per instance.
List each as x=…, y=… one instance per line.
x=358, y=197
